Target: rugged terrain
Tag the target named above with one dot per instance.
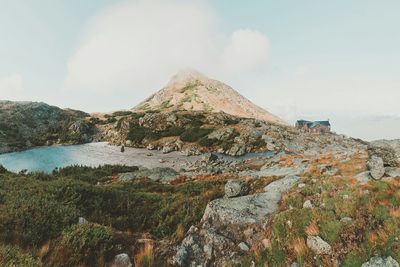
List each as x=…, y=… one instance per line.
x=257, y=193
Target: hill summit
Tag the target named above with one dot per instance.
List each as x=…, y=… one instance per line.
x=193, y=91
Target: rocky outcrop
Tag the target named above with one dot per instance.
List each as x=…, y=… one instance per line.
x=224, y=225
x=27, y=124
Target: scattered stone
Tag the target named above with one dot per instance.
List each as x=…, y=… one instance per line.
x=346, y=220
x=375, y=165
x=122, y=149
x=318, y=245
x=82, y=220
x=308, y=205
x=150, y=147
x=381, y=262
x=301, y=185
x=243, y=246
x=122, y=260
x=128, y=142
x=235, y=188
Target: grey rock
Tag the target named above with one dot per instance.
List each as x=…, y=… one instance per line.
x=234, y=188
x=181, y=256
x=128, y=142
x=278, y=171
x=364, y=177
x=243, y=246
x=308, y=205
x=122, y=260
x=82, y=220
x=376, y=168
x=381, y=262
x=248, y=209
x=389, y=151
x=392, y=172
x=318, y=245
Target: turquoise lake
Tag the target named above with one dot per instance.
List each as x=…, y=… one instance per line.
x=46, y=159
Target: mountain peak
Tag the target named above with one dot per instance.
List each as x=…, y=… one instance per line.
x=192, y=90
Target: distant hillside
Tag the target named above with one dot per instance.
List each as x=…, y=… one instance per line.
x=25, y=124
x=192, y=91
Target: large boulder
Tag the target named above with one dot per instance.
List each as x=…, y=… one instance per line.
x=235, y=188
x=376, y=167
x=381, y=262
x=248, y=209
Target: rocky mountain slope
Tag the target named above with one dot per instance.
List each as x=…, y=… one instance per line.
x=26, y=124
x=192, y=91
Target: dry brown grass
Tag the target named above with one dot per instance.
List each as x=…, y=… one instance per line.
x=180, y=232
x=312, y=229
x=145, y=256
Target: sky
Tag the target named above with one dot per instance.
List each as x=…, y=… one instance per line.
x=337, y=60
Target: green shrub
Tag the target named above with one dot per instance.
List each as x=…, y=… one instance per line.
x=194, y=134
x=330, y=231
x=11, y=256
x=84, y=244
x=299, y=219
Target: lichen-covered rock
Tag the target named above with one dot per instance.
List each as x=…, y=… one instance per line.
x=122, y=260
x=381, y=262
x=376, y=167
x=235, y=188
x=318, y=245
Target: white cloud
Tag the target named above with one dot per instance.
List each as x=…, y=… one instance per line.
x=11, y=86
x=247, y=49
x=133, y=48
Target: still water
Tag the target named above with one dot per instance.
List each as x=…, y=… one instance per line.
x=46, y=159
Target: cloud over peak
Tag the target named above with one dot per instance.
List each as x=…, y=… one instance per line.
x=136, y=46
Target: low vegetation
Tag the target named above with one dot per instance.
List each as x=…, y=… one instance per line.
x=39, y=210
